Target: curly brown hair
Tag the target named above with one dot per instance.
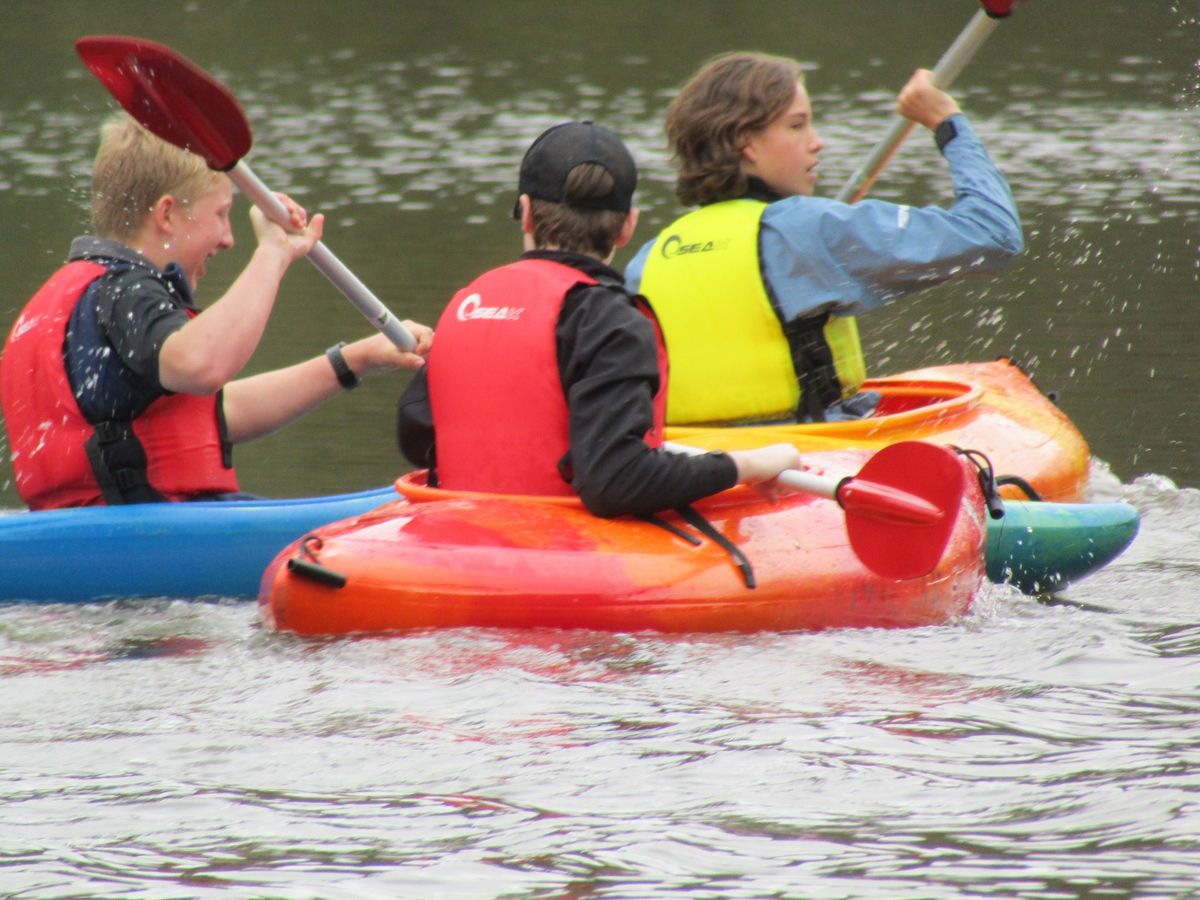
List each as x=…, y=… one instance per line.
x=712, y=117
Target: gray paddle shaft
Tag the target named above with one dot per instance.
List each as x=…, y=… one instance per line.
x=947, y=69
x=322, y=257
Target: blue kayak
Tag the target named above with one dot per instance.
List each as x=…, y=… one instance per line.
x=187, y=550
x=221, y=549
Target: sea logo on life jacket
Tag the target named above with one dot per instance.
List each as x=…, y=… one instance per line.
x=674, y=246
x=24, y=325
x=472, y=308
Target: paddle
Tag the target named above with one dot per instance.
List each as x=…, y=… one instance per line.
x=184, y=105
x=944, y=73
x=900, y=508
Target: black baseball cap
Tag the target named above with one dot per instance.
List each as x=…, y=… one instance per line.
x=558, y=150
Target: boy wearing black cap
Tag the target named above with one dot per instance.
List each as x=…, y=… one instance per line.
x=547, y=376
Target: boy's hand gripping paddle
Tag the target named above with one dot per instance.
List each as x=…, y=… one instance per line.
x=953, y=61
x=184, y=105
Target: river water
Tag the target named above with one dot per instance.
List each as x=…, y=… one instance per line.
x=1036, y=748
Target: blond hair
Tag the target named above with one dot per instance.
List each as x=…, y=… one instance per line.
x=133, y=169
x=716, y=112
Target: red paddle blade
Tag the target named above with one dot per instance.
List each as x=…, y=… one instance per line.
x=902, y=507
x=998, y=9
x=170, y=96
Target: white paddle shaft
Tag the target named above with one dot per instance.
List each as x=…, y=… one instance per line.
x=794, y=479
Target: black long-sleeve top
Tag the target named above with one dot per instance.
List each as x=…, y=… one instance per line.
x=608, y=365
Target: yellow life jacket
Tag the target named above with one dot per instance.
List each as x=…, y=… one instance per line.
x=731, y=360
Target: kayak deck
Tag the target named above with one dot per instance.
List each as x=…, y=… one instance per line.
x=991, y=407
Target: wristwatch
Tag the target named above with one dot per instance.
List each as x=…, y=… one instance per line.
x=345, y=375
x=945, y=133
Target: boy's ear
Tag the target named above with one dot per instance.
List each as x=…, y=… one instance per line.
x=164, y=212
x=625, y=235
x=750, y=154
x=526, y=213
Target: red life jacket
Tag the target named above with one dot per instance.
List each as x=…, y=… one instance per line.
x=499, y=410
x=59, y=456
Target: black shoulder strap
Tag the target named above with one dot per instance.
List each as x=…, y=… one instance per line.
x=674, y=529
x=119, y=464
x=223, y=432
x=812, y=360
x=705, y=527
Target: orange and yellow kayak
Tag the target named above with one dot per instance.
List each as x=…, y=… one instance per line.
x=992, y=407
x=436, y=558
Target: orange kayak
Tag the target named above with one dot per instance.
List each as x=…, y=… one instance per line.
x=436, y=559
x=992, y=407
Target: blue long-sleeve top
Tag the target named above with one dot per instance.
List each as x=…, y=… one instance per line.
x=819, y=254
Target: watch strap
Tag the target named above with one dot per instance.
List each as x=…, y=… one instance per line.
x=345, y=375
